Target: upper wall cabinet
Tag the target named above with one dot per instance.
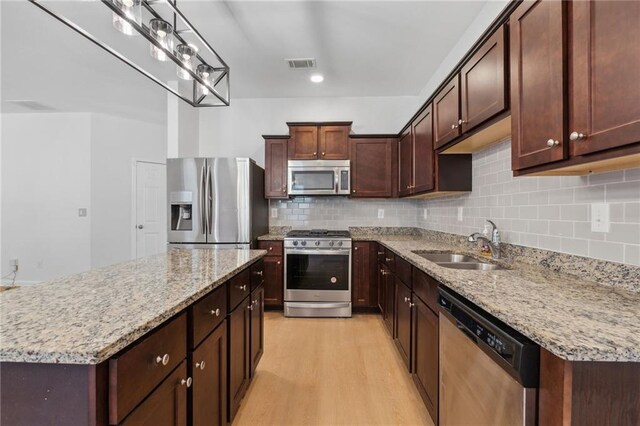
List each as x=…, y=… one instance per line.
x=604, y=78
x=373, y=166
x=537, y=77
x=311, y=141
x=584, y=117
x=446, y=113
x=275, y=170
x=416, y=155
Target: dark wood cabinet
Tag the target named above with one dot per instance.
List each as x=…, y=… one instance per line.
x=424, y=354
x=423, y=154
x=373, y=167
x=403, y=307
x=364, y=275
x=538, y=57
x=275, y=170
x=483, y=91
x=208, y=393
x=238, y=355
x=167, y=405
x=604, y=69
x=405, y=162
x=303, y=142
x=319, y=141
x=273, y=273
x=446, y=113
x=388, y=315
x=257, y=328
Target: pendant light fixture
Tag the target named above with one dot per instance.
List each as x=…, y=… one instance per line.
x=201, y=76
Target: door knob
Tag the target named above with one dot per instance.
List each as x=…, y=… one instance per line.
x=552, y=142
x=576, y=136
x=140, y=226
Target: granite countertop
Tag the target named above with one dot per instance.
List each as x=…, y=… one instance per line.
x=271, y=237
x=88, y=317
x=573, y=318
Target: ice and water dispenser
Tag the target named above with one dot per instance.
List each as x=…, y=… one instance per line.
x=181, y=210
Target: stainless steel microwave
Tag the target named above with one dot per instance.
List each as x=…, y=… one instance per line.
x=319, y=177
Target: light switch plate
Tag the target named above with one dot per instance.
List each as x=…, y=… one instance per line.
x=274, y=212
x=380, y=213
x=600, y=217
x=82, y=212
x=459, y=214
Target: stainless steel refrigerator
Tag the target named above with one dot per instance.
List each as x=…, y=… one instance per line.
x=216, y=202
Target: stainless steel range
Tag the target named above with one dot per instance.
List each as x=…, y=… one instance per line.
x=317, y=281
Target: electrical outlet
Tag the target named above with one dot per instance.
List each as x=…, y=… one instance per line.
x=600, y=217
x=380, y=213
x=82, y=212
x=459, y=214
x=274, y=212
x=425, y=214
x=14, y=264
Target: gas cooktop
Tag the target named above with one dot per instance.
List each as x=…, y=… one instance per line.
x=318, y=233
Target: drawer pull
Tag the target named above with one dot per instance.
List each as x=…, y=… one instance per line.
x=242, y=287
x=411, y=305
x=259, y=273
x=215, y=312
x=250, y=307
x=164, y=359
x=200, y=365
x=406, y=299
x=388, y=259
x=270, y=248
x=186, y=382
x=380, y=253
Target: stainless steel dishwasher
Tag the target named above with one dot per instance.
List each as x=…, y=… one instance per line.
x=488, y=371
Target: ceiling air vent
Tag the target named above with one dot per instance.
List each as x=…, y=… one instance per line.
x=301, y=63
x=33, y=105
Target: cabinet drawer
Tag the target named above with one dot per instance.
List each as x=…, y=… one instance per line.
x=257, y=274
x=167, y=405
x=426, y=288
x=207, y=314
x=135, y=372
x=273, y=248
x=239, y=288
x=403, y=270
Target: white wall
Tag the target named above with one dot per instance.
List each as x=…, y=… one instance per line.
x=115, y=143
x=45, y=180
x=237, y=130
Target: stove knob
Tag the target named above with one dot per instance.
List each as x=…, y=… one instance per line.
x=317, y=243
x=330, y=243
x=339, y=243
x=304, y=243
x=295, y=243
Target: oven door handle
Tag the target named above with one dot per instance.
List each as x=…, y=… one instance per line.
x=341, y=252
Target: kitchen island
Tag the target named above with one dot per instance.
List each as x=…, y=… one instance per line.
x=68, y=347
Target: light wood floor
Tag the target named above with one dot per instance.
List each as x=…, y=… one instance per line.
x=330, y=372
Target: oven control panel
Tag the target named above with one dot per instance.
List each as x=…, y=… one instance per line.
x=312, y=243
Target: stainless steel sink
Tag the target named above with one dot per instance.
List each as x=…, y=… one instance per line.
x=447, y=257
x=458, y=261
x=477, y=266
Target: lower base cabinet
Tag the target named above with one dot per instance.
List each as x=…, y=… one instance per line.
x=238, y=336
x=208, y=393
x=424, y=354
x=403, y=321
x=389, y=283
x=257, y=328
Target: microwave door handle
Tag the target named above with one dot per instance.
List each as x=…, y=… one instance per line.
x=337, y=179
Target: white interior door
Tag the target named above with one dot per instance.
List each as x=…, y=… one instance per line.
x=151, y=209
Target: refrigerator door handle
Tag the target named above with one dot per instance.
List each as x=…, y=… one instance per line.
x=201, y=200
x=208, y=197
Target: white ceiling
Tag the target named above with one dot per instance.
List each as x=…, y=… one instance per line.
x=363, y=48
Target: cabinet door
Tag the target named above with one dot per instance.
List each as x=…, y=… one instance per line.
x=482, y=85
x=446, y=113
x=364, y=278
x=405, y=162
x=303, y=144
x=167, y=405
x=275, y=171
x=273, y=281
x=382, y=286
x=425, y=355
x=333, y=143
x=238, y=355
x=403, y=321
x=604, y=87
x=423, y=171
x=390, y=301
x=537, y=83
x=257, y=328
x=372, y=167
x=208, y=399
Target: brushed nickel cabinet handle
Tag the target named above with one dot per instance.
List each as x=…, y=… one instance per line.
x=315, y=153
x=164, y=359
x=187, y=382
x=258, y=273
x=200, y=365
x=215, y=312
x=242, y=287
x=576, y=136
x=552, y=143
x=323, y=154
x=453, y=126
x=411, y=305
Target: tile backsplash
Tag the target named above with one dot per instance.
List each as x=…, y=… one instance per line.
x=547, y=212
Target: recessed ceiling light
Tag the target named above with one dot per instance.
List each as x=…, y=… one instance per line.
x=317, y=78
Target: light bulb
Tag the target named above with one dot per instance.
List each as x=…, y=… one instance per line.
x=317, y=78
x=132, y=9
x=162, y=31
x=205, y=72
x=187, y=53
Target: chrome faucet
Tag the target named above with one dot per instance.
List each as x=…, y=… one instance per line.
x=493, y=243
